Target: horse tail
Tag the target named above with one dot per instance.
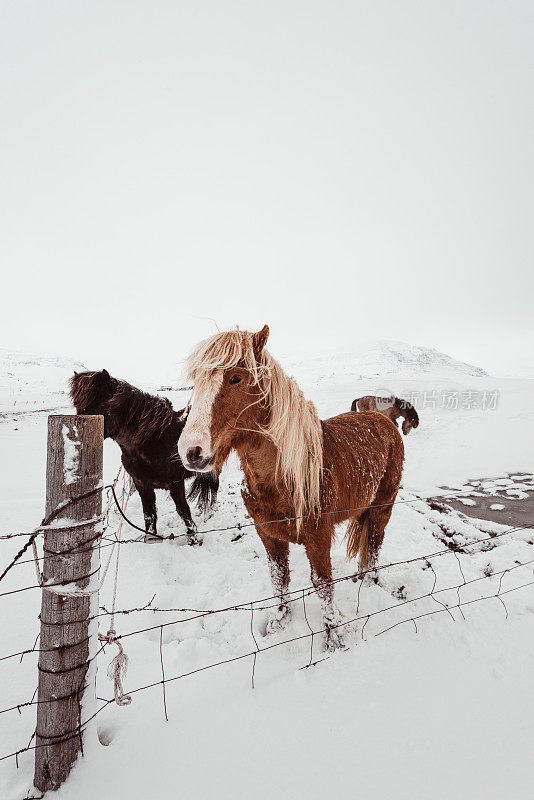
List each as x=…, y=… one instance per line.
x=204, y=490
x=357, y=538
x=354, y=406
x=411, y=413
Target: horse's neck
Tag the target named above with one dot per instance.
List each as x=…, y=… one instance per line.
x=258, y=461
x=127, y=436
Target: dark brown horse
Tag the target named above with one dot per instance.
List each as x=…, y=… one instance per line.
x=392, y=407
x=307, y=473
x=147, y=430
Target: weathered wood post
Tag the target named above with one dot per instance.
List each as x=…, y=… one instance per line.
x=68, y=637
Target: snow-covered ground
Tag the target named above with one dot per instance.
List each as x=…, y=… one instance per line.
x=442, y=712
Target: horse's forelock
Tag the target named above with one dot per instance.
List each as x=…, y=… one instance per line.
x=222, y=351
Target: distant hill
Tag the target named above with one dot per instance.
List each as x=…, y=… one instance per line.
x=30, y=382
x=381, y=358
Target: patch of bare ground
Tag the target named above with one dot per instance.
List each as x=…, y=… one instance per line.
x=508, y=500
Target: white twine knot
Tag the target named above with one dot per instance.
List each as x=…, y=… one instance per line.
x=117, y=668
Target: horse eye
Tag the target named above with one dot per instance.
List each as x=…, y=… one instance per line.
x=235, y=379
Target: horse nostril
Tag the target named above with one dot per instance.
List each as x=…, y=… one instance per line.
x=194, y=454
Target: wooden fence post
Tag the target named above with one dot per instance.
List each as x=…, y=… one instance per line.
x=68, y=640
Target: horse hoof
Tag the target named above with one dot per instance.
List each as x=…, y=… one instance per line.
x=150, y=539
x=278, y=620
x=193, y=539
x=334, y=640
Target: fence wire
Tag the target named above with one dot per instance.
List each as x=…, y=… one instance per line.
x=250, y=607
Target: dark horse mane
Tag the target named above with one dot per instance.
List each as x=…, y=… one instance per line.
x=145, y=415
x=411, y=413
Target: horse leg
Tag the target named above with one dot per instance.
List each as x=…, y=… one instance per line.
x=148, y=501
x=321, y=575
x=213, y=506
x=379, y=513
x=182, y=507
x=278, y=558
x=392, y=415
x=377, y=519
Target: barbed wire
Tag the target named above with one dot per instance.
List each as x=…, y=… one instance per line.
x=62, y=507
x=79, y=547
x=244, y=606
x=301, y=593
x=54, y=514
x=325, y=630
x=241, y=525
x=75, y=733
x=295, y=595
x=111, y=487
x=261, y=604
x=452, y=496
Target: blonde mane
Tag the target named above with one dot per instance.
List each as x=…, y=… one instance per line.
x=293, y=427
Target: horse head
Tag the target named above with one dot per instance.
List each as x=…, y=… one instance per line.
x=226, y=400
x=91, y=393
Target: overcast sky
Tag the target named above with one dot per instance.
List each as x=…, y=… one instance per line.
x=340, y=170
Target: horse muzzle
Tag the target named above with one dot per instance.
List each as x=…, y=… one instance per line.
x=196, y=460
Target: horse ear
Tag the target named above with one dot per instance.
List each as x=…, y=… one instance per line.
x=106, y=377
x=76, y=374
x=259, y=340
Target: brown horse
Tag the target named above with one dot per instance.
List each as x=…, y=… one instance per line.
x=307, y=473
x=391, y=407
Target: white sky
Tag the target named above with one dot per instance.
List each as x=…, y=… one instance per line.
x=340, y=170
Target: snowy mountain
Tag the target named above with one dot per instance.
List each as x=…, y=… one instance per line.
x=379, y=359
x=30, y=382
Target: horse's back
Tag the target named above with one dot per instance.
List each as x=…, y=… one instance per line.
x=367, y=439
x=362, y=458
x=365, y=403
x=364, y=420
